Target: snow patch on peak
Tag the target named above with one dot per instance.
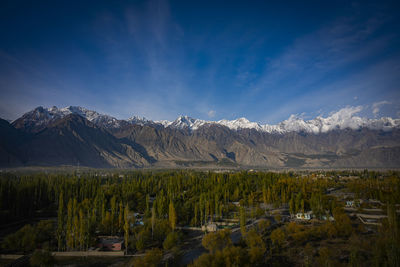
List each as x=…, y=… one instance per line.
x=345, y=118
x=241, y=123
x=43, y=116
x=183, y=122
x=138, y=120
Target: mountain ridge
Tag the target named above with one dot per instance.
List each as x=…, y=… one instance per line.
x=342, y=119
x=72, y=135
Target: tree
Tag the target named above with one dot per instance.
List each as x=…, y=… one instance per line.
x=113, y=213
x=82, y=230
x=171, y=240
x=41, y=258
x=393, y=236
x=60, y=222
x=172, y=216
x=76, y=231
x=217, y=241
x=263, y=225
x=325, y=257
x=308, y=255
x=256, y=246
x=242, y=214
x=278, y=237
x=126, y=228
x=153, y=221
x=342, y=222
x=44, y=231
x=23, y=240
x=120, y=217
x=152, y=258
x=195, y=214
x=69, y=233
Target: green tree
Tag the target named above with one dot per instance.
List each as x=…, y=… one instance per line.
x=70, y=234
x=217, y=240
x=153, y=221
x=41, y=258
x=172, y=216
x=126, y=227
x=171, y=240
x=278, y=237
x=256, y=246
x=242, y=214
x=152, y=258
x=60, y=223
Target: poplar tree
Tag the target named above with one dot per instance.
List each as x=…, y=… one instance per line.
x=172, y=216
x=195, y=214
x=61, y=226
x=113, y=213
x=69, y=234
x=75, y=230
x=81, y=230
x=242, y=215
x=120, y=217
x=153, y=220
x=126, y=228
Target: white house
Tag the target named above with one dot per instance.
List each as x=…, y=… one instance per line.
x=210, y=227
x=304, y=216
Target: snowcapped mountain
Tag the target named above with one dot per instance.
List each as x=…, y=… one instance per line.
x=345, y=118
x=340, y=120
x=138, y=120
x=57, y=136
x=40, y=117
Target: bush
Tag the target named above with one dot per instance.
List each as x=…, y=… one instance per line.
x=41, y=258
x=229, y=256
x=256, y=246
x=263, y=225
x=142, y=239
x=217, y=241
x=152, y=258
x=171, y=240
x=293, y=228
x=278, y=237
x=23, y=240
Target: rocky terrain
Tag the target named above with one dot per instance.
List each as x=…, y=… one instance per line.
x=75, y=135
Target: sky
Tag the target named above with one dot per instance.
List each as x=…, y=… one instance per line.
x=212, y=60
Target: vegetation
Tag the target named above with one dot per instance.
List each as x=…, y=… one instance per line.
x=151, y=210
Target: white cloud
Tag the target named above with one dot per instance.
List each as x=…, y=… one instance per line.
x=377, y=105
x=211, y=113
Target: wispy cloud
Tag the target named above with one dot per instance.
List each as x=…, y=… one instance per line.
x=377, y=105
x=211, y=113
x=328, y=66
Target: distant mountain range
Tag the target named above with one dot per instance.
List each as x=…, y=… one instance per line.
x=75, y=135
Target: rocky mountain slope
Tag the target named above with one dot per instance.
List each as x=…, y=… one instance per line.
x=72, y=135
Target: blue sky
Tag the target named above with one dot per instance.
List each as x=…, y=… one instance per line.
x=263, y=60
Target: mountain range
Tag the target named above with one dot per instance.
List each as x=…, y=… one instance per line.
x=75, y=135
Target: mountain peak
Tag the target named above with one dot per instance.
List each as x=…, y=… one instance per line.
x=345, y=118
x=183, y=122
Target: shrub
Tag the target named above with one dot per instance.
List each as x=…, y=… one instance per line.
x=171, y=240
x=41, y=258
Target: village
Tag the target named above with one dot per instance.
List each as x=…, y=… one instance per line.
x=294, y=208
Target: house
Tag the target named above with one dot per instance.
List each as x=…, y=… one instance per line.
x=304, y=216
x=327, y=218
x=210, y=227
x=113, y=243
